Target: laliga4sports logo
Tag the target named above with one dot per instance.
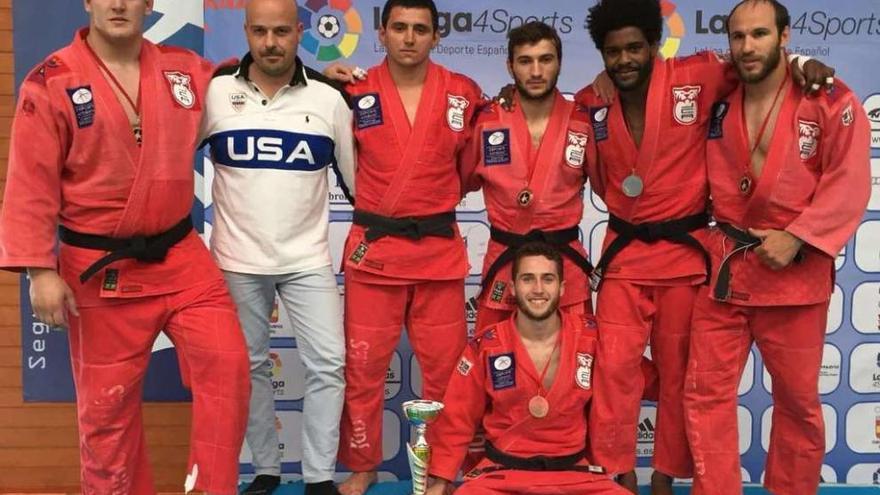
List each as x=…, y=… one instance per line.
x=332, y=28
x=674, y=29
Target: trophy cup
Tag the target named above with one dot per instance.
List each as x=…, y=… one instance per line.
x=420, y=413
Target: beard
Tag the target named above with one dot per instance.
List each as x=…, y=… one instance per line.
x=643, y=72
x=523, y=306
x=524, y=93
x=769, y=63
x=276, y=69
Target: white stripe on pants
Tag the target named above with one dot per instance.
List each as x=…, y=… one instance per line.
x=311, y=299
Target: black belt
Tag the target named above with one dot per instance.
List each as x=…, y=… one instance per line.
x=152, y=248
x=537, y=463
x=560, y=239
x=742, y=242
x=378, y=226
x=676, y=231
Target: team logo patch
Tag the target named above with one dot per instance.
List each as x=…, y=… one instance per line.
x=584, y=372
x=685, y=110
x=716, y=125
x=847, y=118
x=368, y=111
x=455, y=112
x=464, y=366
x=181, y=88
x=496, y=146
x=498, y=291
x=502, y=367
x=808, y=138
x=238, y=101
x=574, y=152
x=83, y=105
x=599, y=119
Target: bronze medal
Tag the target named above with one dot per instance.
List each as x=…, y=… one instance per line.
x=524, y=198
x=538, y=407
x=632, y=186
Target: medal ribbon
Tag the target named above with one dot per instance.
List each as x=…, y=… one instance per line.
x=763, y=129
x=541, y=391
x=135, y=106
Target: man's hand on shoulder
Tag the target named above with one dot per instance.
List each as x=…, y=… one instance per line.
x=344, y=73
x=810, y=74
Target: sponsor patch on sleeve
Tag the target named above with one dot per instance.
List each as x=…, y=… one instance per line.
x=83, y=105
x=496, y=147
x=502, y=367
x=368, y=111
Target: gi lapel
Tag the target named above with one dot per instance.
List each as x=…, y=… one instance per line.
x=654, y=106
x=547, y=157
x=780, y=144
x=433, y=98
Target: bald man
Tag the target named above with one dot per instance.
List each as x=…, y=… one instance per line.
x=274, y=127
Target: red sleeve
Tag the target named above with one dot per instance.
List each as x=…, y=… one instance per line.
x=464, y=405
x=844, y=187
x=32, y=199
x=717, y=75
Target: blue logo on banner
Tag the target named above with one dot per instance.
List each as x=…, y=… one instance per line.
x=265, y=148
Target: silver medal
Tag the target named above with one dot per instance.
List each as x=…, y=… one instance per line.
x=632, y=186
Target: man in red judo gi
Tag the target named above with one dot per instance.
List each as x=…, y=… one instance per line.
x=528, y=382
x=789, y=178
x=114, y=178
x=648, y=163
x=405, y=261
x=531, y=165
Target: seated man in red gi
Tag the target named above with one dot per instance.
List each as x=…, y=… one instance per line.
x=527, y=382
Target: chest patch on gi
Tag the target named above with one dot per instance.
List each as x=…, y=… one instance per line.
x=574, y=152
x=502, y=367
x=180, y=84
x=599, y=119
x=584, y=372
x=464, y=366
x=455, y=106
x=238, y=101
x=716, y=125
x=111, y=280
x=368, y=111
x=496, y=147
x=83, y=105
x=809, y=134
x=498, y=291
x=685, y=107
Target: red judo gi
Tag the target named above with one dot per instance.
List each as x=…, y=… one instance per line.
x=405, y=261
x=491, y=387
x=815, y=184
x=649, y=286
x=74, y=161
x=530, y=193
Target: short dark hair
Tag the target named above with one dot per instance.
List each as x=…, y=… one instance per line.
x=537, y=249
x=531, y=33
x=611, y=15
x=411, y=4
x=783, y=18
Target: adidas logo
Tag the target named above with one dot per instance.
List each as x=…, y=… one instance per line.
x=646, y=431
